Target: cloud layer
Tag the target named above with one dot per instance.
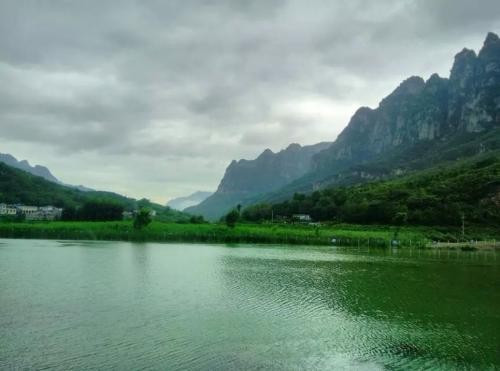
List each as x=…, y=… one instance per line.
x=154, y=99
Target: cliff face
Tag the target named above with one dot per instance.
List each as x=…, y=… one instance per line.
x=270, y=170
x=418, y=110
x=419, y=124
x=246, y=178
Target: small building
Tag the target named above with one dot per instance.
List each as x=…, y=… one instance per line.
x=128, y=214
x=7, y=210
x=29, y=212
x=49, y=213
x=303, y=218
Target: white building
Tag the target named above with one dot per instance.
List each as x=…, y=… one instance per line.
x=302, y=217
x=132, y=214
x=7, y=209
x=50, y=212
x=31, y=212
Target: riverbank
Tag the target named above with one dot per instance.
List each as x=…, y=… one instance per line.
x=341, y=234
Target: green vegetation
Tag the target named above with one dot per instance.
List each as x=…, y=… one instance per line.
x=197, y=219
x=142, y=219
x=416, y=209
x=231, y=218
x=95, y=210
x=345, y=235
x=18, y=186
x=437, y=197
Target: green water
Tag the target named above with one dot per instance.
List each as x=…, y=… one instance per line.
x=116, y=305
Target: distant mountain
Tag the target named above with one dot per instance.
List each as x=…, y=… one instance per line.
x=244, y=179
x=420, y=124
x=25, y=165
x=37, y=170
x=193, y=199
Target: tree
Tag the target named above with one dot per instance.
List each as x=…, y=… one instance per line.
x=232, y=217
x=196, y=219
x=400, y=218
x=100, y=210
x=142, y=219
x=69, y=213
x=257, y=212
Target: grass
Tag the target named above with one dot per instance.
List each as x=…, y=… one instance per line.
x=345, y=234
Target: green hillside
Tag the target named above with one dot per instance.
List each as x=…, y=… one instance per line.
x=18, y=186
x=439, y=196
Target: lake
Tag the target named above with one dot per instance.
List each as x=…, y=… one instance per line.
x=117, y=305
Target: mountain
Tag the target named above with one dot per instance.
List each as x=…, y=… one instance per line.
x=19, y=186
x=37, y=170
x=435, y=110
x=193, y=199
x=420, y=124
x=244, y=179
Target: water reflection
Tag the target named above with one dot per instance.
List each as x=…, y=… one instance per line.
x=93, y=305
x=411, y=307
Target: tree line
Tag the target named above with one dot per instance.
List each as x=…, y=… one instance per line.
x=94, y=210
x=437, y=197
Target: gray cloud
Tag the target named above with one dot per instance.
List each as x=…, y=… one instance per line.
x=155, y=98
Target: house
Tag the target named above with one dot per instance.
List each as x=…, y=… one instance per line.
x=49, y=212
x=7, y=209
x=128, y=215
x=29, y=212
x=131, y=214
x=303, y=218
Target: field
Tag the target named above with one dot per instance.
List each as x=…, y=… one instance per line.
x=344, y=234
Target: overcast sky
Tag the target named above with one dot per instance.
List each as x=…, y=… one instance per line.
x=155, y=98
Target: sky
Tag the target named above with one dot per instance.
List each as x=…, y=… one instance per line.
x=155, y=98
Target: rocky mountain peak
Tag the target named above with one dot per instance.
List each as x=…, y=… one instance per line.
x=435, y=82
x=465, y=54
x=266, y=154
x=491, y=39
x=434, y=78
x=293, y=147
x=464, y=69
x=24, y=165
x=407, y=89
x=491, y=48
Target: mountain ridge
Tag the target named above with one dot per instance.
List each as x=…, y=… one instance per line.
x=37, y=170
x=409, y=126
x=247, y=178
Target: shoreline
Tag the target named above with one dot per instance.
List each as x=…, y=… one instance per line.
x=344, y=235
